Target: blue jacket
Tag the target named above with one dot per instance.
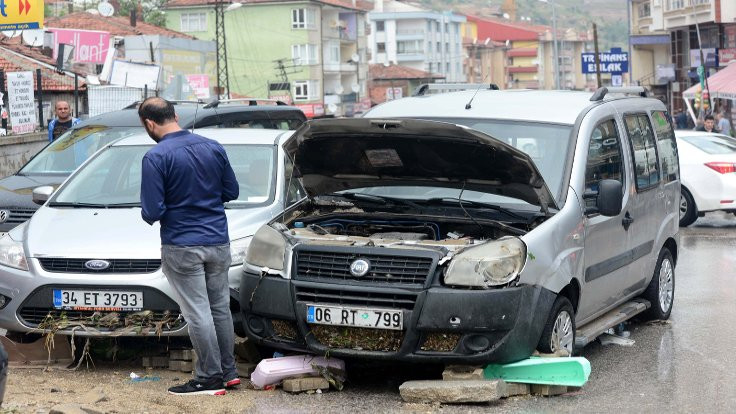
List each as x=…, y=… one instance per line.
x=52, y=124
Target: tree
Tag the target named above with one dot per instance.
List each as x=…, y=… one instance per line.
x=152, y=12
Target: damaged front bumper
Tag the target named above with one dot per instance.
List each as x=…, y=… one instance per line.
x=440, y=324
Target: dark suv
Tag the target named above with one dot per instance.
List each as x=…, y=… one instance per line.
x=57, y=160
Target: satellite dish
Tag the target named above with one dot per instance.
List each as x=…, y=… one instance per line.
x=33, y=38
x=488, y=39
x=386, y=64
x=332, y=108
x=105, y=9
x=12, y=33
x=508, y=42
x=355, y=87
x=339, y=89
x=506, y=16
x=355, y=57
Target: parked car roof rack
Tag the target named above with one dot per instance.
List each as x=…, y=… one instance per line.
x=422, y=90
x=601, y=92
x=216, y=102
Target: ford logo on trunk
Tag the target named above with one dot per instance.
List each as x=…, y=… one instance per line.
x=96, y=264
x=360, y=267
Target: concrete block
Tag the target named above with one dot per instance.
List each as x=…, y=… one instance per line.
x=459, y=391
x=155, y=362
x=247, y=351
x=245, y=368
x=548, y=390
x=182, y=354
x=183, y=366
x=516, y=388
x=462, y=372
x=305, y=384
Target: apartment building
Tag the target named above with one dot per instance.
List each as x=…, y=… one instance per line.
x=311, y=53
x=665, y=47
x=409, y=35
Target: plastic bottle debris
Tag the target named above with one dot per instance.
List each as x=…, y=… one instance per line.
x=137, y=378
x=608, y=339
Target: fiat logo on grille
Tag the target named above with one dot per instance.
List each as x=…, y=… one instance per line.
x=96, y=264
x=360, y=267
x=4, y=215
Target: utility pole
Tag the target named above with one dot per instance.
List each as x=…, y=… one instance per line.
x=223, y=82
x=597, y=57
x=284, y=75
x=554, y=39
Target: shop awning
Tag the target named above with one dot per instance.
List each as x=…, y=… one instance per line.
x=721, y=85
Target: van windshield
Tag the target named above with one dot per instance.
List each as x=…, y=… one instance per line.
x=71, y=149
x=548, y=145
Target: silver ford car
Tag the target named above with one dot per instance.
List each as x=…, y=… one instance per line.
x=86, y=261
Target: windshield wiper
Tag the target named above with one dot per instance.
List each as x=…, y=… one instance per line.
x=77, y=205
x=451, y=200
x=376, y=199
x=123, y=205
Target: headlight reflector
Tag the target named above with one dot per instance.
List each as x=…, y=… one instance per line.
x=12, y=253
x=238, y=248
x=492, y=264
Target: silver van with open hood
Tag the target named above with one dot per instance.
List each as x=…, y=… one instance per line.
x=475, y=235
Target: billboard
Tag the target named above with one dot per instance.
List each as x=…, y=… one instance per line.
x=90, y=46
x=615, y=61
x=21, y=15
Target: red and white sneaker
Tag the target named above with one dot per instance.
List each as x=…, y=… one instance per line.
x=232, y=383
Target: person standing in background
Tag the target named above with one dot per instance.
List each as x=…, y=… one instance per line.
x=64, y=120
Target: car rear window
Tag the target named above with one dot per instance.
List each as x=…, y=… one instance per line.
x=712, y=144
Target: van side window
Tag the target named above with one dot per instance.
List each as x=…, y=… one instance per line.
x=644, y=149
x=604, y=156
x=667, y=146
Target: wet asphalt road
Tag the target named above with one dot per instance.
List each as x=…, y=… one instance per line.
x=688, y=365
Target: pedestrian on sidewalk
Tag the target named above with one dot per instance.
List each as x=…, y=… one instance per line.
x=64, y=120
x=723, y=124
x=709, y=125
x=186, y=179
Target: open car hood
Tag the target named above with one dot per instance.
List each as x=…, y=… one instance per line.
x=339, y=154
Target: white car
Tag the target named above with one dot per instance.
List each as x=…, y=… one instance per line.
x=708, y=174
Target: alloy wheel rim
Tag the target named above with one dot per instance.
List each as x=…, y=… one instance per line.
x=666, y=285
x=562, y=333
x=683, y=206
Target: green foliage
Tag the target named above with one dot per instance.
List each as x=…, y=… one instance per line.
x=152, y=12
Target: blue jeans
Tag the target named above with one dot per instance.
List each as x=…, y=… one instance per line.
x=198, y=275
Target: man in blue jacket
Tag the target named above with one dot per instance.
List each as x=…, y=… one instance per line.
x=186, y=178
x=64, y=120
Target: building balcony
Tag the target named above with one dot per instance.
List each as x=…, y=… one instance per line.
x=522, y=52
x=411, y=57
x=337, y=67
x=410, y=34
x=338, y=33
x=523, y=69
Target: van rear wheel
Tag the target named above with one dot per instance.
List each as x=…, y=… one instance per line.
x=661, y=290
x=559, y=332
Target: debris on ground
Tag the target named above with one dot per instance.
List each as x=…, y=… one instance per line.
x=305, y=384
x=573, y=371
x=137, y=378
x=611, y=339
x=36, y=354
x=274, y=370
x=459, y=391
x=71, y=408
x=462, y=372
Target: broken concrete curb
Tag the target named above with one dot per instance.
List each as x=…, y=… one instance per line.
x=461, y=372
x=459, y=391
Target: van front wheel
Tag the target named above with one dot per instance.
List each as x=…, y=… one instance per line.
x=559, y=332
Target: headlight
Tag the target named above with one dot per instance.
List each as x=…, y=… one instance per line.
x=267, y=249
x=12, y=253
x=492, y=264
x=237, y=250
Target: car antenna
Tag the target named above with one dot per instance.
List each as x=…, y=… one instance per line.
x=196, y=109
x=469, y=104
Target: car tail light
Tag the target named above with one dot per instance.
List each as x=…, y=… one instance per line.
x=722, y=167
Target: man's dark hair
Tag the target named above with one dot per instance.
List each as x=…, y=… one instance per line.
x=158, y=110
x=709, y=118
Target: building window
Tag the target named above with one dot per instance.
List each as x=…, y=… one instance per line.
x=304, y=54
x=304, y=90
x=334, y=53
x=410, y=47
x=437, y=26
x=380, y=47
x=645, y=10
x=439, y=47
x=675, y=4
x=303, y=18
x=380, y=26
x=447, y=67
x=194, y=22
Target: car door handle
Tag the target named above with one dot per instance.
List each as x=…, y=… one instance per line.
x=627, y=220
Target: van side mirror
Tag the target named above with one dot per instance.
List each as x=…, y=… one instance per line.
x=42, y=194
x=608, y=198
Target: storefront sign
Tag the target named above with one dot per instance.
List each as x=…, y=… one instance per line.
x=90, y=46
x=614, y=61
x=725, y=56
x=394, y=93
x=710, y=54
x=312, y=110
x=21, y=103
x=200, y=84
x=21, y=14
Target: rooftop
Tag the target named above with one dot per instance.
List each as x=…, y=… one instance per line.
x=398, y=72
x=347, y=4
x=115, y=25
x=51, y=80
